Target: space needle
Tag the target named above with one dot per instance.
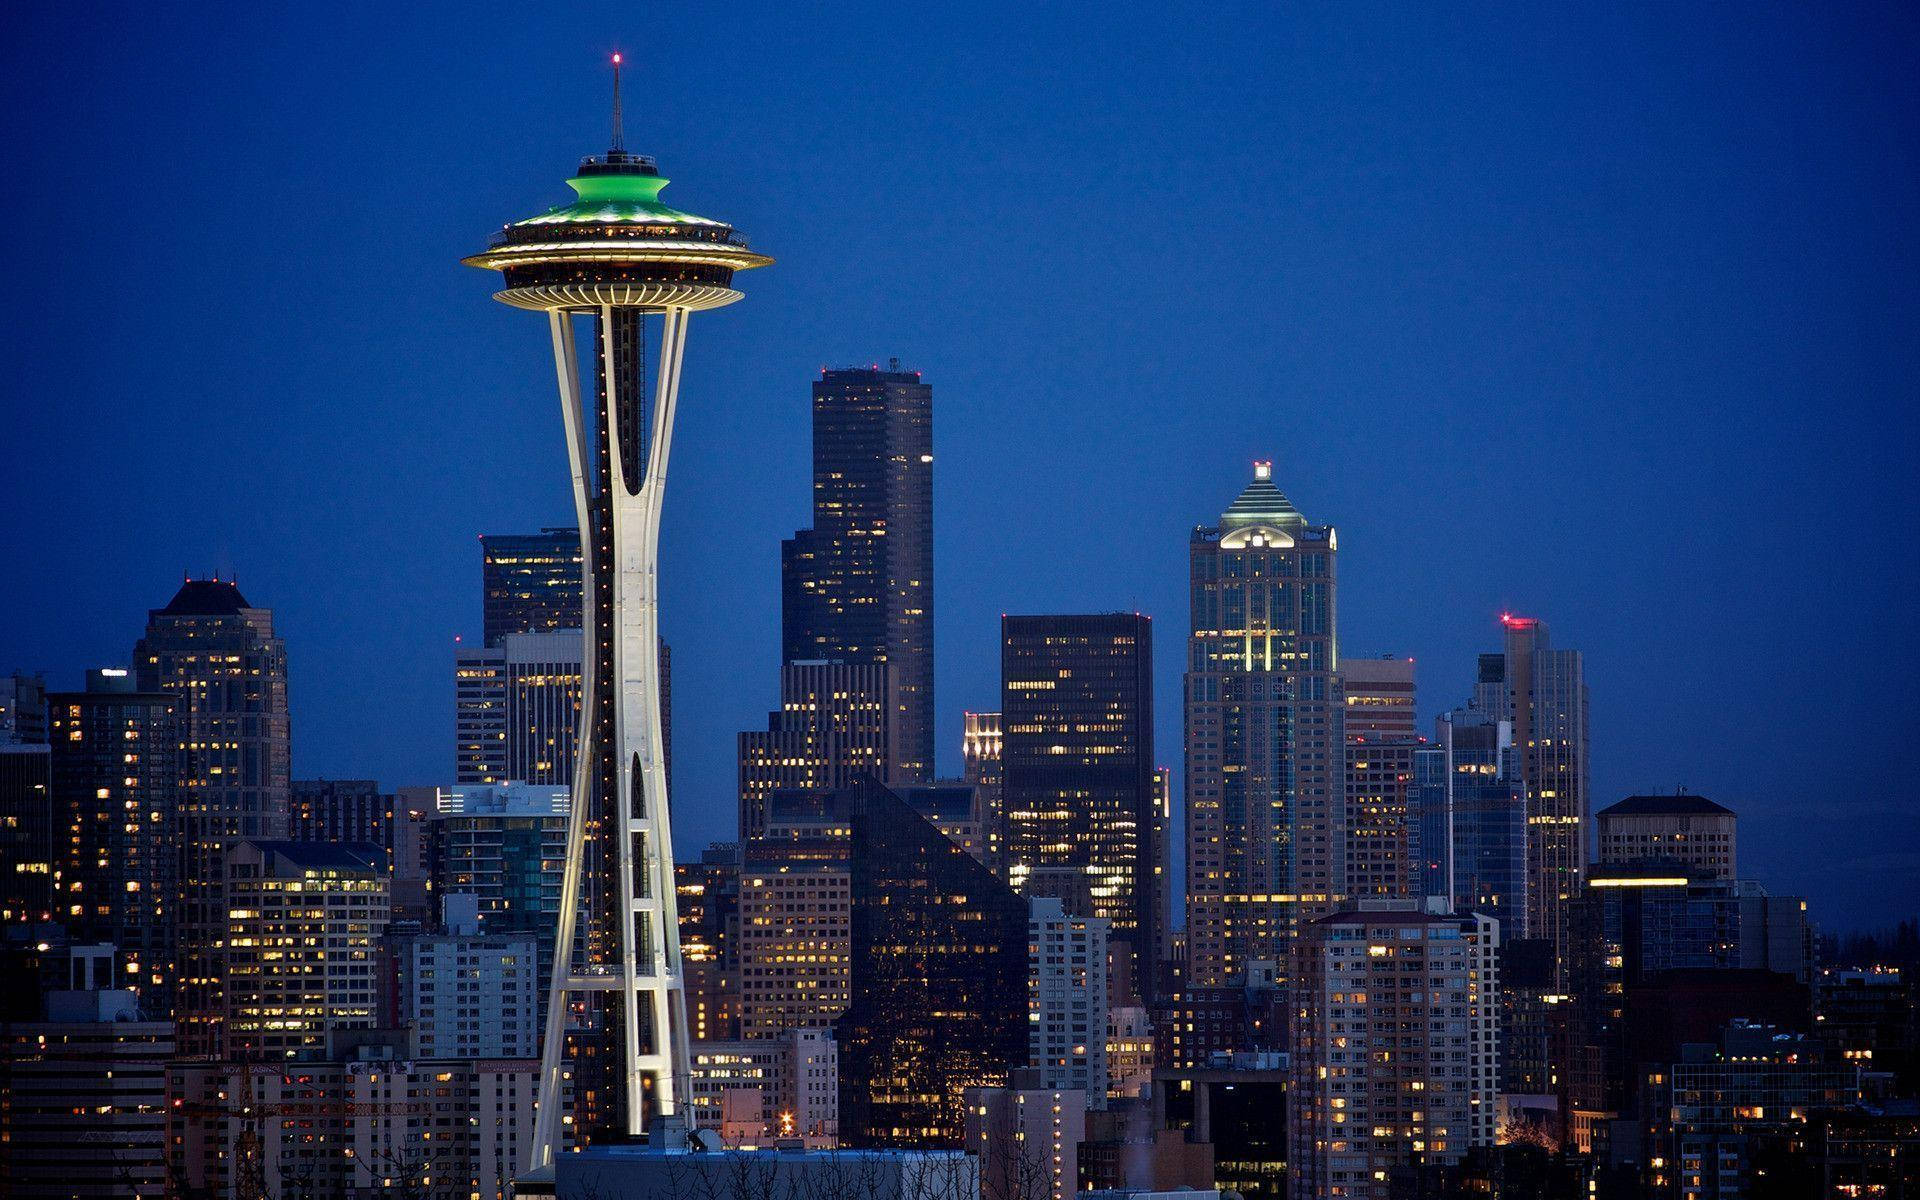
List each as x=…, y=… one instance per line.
x=629, y=269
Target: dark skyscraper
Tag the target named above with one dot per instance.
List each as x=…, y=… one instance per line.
x=1265, y=742
x=1077, y=774
x=218, y=657
x=858, y=586
x=342, y=810
x=939, y=977
x=530, y=582
x=116, y=800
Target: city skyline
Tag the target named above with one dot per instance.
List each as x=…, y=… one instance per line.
x=1014, y=454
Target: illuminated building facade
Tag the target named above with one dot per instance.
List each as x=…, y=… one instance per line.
x=796, y=924
x=780, y=1088
x=980, y=766
x=709, y=898
x=1027, y=1137
x=116, y=795
x=302, y=921
x=629, y=265
x=1543, y=693
x=1078, y=778
x=858, y=586
x=530, y=583
x=832, y=729
x=464, y=993
x=1265, y=743
x=517, y=708
x=1377, y=841
x=1685, y=829
x=220, y=660
x=1395, y=1058
x=956, y=809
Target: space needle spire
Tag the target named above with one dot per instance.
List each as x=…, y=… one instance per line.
x=629, y=271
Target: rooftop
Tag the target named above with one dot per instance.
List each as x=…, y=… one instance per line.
x=1665, y=806
x=1261, y=503
x=206, y=598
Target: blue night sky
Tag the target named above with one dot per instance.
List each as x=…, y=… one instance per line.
x=1603, y=317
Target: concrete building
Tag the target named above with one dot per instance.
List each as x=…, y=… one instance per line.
x=1067, y=1001
x=796, y=923
x=857, y=587
x=832, y=729
x=371, y=1125
x=1377, y=839
x=777, y=1089
x=1395, y=1047
x=1264, y=735
x=1379, y=695
x=1078, y=779
x=85, y=1112
x=1691, y=830
x=504, y=844
x=1130, y=1053
x=303, y=921
x=465, y=993
x=709, y=901
x=1027, y=1138
x=219, y=658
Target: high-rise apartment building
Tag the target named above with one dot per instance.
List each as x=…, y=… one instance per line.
x=1377, y=836
x=116, y=793
x=1078, y=775
x=1690, y=830
x=530, y=583
x=303, y=919
x=1543, y=692
x=832, y=729
x=503, y=844
x=465, y=993
x=517, y=709
x=858, y=586
x=1395, y=1056
x=1379, y=695
x=218, y=656
x=1264, y=735
x=1067, y=1000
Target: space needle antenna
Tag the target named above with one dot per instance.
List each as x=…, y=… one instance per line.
x=618, y=139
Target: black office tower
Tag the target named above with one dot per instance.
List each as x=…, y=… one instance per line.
x=939, y=978
x=1078, y=775
x=858, y=586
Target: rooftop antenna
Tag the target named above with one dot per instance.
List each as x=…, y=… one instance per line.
x=618, y=140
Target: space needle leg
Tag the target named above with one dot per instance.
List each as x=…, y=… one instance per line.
x=553, y=1045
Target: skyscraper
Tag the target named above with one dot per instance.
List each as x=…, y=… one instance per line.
x=1265, y=740
x=218, y=656
x=1379, y=696
x=517, y=708
x=26, y=835
x=23, y=710
x=1690, y=830
x=342, y=810
x=116, y=798
x=1481, y=822
x=530, y=583
x=832, y=728
x=1543, y=692
x=1077, y=774
x=628, y=262
x=857, y=587
x=1067, y=1000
